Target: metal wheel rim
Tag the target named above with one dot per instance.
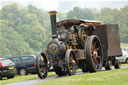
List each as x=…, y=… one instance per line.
x=110, y=64
x=22, y=71
x=83, y=36
x=69, y=62
x=95, y=53
x=41, y=67
x=72, y=63
x=119, y=64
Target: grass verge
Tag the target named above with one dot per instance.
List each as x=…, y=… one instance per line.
x=29, y=77
x=124, y=45
x=113, y=77
x=23, y=78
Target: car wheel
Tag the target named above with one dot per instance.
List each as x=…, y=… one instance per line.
x=127, y=60
x=9, y=77
x=0, y=77
x=23, y=71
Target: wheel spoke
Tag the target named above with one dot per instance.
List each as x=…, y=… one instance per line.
x=95, y=60
x=70, y=63
x=93, y=46
x=98, y=57
x=41, y=69
x=71, y=67
x=83, y=36
x=93, y=53
x=41, y=66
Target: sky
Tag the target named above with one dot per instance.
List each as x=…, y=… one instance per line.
x=66, y=5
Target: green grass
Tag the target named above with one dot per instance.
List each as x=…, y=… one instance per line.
x=124, y=44
x=113, y=77
x=22, y=78
x=124, y=64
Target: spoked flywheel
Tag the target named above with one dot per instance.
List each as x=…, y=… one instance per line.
x=93, y=49
x=82, y=34
x=41, y=65
x=70, y=61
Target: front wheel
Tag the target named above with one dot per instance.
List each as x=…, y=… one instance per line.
x=41, y=65
x=70, y=62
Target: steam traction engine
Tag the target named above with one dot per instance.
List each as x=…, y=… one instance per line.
x=87, y=45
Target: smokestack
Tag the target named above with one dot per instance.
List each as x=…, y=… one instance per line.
x=53, y=23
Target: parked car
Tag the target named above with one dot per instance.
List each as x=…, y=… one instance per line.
x=124, y=57
x=7, y=68
x=125, y=49
x=25, y=64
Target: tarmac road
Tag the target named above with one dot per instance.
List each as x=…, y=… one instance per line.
x=36, y=81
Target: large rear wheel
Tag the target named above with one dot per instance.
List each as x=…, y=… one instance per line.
x=41, y=65
x=93, y=49
x=70, y=62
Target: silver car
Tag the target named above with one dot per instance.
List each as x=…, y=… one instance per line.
x=124, y=57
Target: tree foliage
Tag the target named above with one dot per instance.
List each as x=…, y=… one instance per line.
x=21, y=30
x=81, y=13
x=25, y=30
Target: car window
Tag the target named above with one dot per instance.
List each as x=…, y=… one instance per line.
x=125, y=49
x=16, y=60
x=7, y=62
x=27, y=59
x=124, y=52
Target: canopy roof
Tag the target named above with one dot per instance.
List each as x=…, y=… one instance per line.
x=70, y=22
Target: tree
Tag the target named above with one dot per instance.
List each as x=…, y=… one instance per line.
x=12, y=41
x=79, y=13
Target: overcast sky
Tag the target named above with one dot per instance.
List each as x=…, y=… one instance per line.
x=66, y=5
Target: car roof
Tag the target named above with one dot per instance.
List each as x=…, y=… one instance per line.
x=21, y=56
x=3, y=58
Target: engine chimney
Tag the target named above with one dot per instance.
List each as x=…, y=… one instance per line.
x=53, y=23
